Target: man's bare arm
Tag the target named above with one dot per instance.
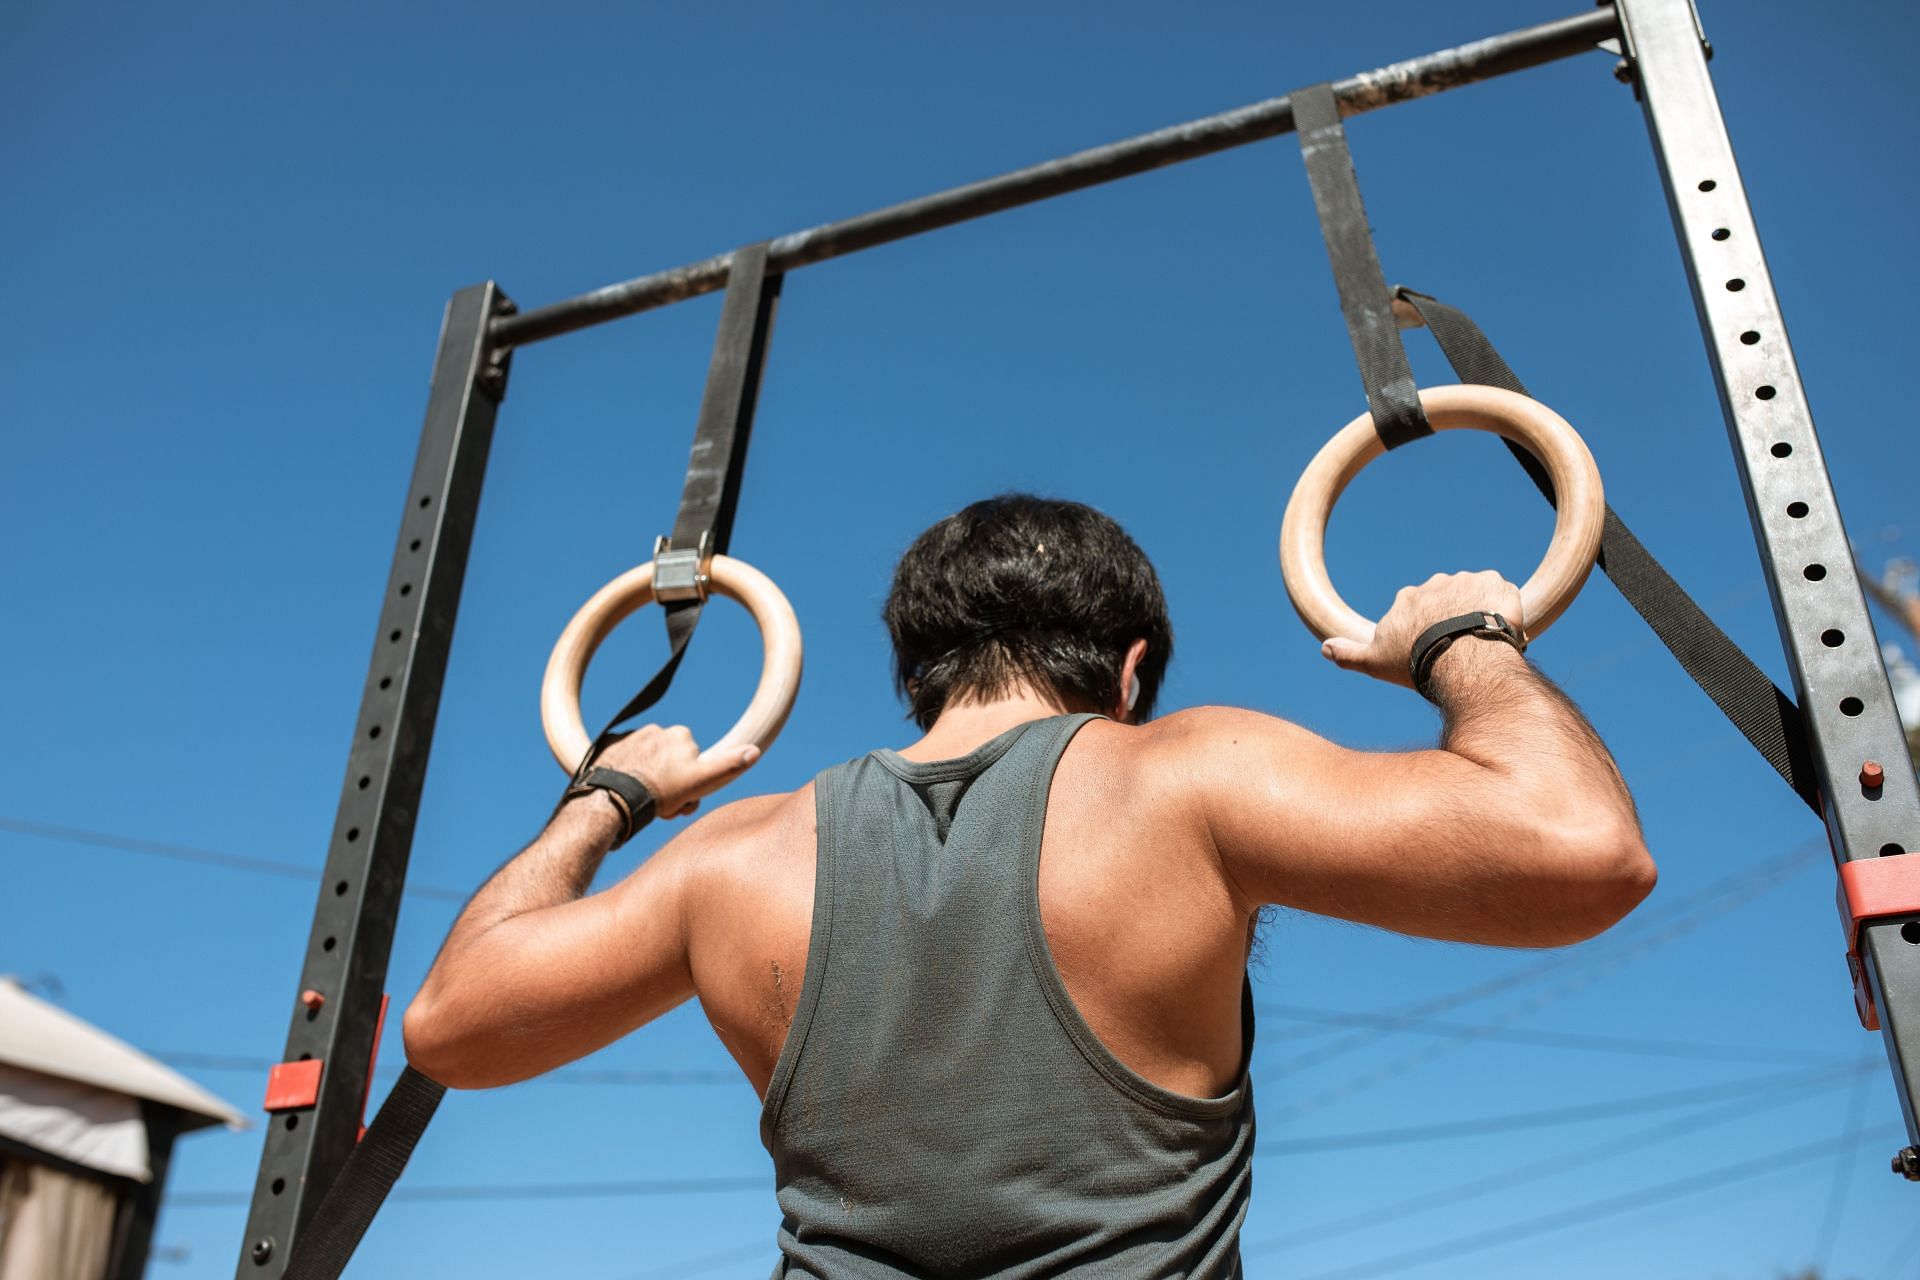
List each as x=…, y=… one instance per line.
x=533, y=973
x=1516, y=831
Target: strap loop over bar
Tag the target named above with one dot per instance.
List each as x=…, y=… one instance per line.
x=1365, y=300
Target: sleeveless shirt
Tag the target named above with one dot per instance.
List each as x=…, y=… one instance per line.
x=940, y=1108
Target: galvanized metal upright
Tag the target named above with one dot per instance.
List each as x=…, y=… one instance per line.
x=1838, y=676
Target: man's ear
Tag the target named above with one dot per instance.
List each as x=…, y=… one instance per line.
x=1129, y=681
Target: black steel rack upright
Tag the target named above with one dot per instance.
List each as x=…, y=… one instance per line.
x=1872, y=813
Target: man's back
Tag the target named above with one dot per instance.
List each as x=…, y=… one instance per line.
x=937, y=1073
x=1144, y=931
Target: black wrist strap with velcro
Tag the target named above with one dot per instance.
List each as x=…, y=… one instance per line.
x=633, y=797
x=1439, y=637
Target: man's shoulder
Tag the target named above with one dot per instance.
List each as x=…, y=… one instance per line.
x=754, y=816
x=1194, y=760
x=1198, y=730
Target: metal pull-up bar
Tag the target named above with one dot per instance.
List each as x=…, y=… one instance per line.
x=1368, y=91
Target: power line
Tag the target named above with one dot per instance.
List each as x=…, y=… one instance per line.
x=1837, y=1191
x=1550, y=1117
x=1703, y=912
x=1726, y=1175
x=1557, y=1162
x=1549, y=964
x=1742, y=886
x=195, y=854
x=514, y=1191
x=1635, y=1046
x=1903, y=1249
x=565, y=1075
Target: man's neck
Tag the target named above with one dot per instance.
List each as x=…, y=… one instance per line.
x=964, y=726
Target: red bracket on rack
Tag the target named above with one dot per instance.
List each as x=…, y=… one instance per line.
x=293, y=1086
x=1872, y=889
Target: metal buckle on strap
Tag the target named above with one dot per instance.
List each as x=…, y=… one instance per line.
x=681, y=573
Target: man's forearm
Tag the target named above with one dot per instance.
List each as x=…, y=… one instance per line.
x=556, y=868
x=1502, y=714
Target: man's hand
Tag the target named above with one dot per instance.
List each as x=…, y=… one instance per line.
x=1445, y=595
x=669, y=762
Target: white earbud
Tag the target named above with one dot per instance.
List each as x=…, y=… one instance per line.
x=1133, y=690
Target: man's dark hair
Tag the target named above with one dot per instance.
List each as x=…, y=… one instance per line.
x=1022, y=589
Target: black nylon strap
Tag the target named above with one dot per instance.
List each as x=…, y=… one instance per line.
x=1364, y=298
x=348, y=1208
x=711, y=494
x=1765, y=715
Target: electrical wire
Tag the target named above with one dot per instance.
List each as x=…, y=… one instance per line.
x=1743, y=1170
x=1551, y=1117
x=654, y=1076
x=1634, y=1046
x=193, y=853
x=1557, y=1162
x=1703, y=912
x=1412, y=1019
x=564, y=1075
x=1907, y=1247
x=1837, y=1192
x=1742, y=886
x=514, y=1191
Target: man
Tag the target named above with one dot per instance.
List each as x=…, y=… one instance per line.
x=992, y=987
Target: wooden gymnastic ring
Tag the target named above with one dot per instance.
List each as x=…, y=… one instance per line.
x=737, y=580
x=1580, y=505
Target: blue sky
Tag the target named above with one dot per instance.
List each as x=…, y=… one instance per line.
x=232, y=230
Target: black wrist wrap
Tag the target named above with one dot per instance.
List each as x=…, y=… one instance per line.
x=1435, y=640
x=630, y=795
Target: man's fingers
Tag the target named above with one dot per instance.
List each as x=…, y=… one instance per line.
x=710, y=775
x=735, y=762
x=1343, y=652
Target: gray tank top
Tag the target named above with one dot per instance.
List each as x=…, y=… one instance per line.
x=940, y=1107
